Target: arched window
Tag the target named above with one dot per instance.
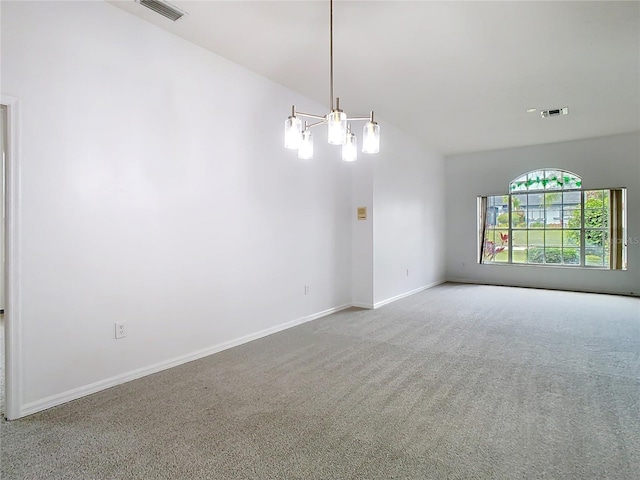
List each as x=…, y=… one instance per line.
x=547, y=218
x=546, y=179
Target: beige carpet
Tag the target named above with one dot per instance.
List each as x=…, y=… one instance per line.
x=2, y=371
x=457, y=382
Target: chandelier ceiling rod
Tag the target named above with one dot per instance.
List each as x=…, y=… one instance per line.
x=331, y=51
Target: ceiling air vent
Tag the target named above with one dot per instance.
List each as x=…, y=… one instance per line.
x=555, y=112
x=163, y=8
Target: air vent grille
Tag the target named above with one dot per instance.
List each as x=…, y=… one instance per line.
x=555, y=112
x=163, y=8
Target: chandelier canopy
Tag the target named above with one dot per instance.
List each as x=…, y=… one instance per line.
x=299, y=136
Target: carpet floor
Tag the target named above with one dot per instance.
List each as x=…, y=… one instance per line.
x=456, y=382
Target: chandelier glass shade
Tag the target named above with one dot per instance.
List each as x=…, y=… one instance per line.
x=350, y=147
x=305, y=150
x=338, y=126
x=371, y=137
x=293, y=132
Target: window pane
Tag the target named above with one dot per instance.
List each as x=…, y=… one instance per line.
x=491, y=212
x=496, y=246
x=535, y=250
x=519, y=184
x=571, y=238
x=551, y=179
x=489, y=234
x=570, y=181
x=606, y=248
x=594, y=256
x=502, y=211
x=553, y=237
x=595, y=219
x=488, y=246
x=535, y=255
x=596, y=209
x=571, y=198
x=594, y=238
x=536, y=238
x=553, y=209
x=571, y=256
x=596, y=248
x=519, y=249
x=535, y=210
x=593, y=195
x=553, y=217
x=502, y=245
x=553, y=255
x=553, y=199
x=519, y=255
x=571, y=216
x=503, y=220
x=534, y=180
x=519, y=237
x=518, y=210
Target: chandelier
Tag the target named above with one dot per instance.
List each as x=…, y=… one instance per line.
x=299, y=136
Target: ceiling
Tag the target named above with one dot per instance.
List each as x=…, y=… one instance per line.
x=458, y=76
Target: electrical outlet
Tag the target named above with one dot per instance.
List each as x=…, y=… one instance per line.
x=306, y=289
x=407, y=272
x=121, y=331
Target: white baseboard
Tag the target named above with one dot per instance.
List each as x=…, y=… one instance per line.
x=368, y=306
x=406, y=294
x=543, y=287
x=98, y=386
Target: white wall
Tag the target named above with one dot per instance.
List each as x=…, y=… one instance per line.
x=408, y=217
x=403, y=190
x=155, y=190
x=602, y=162
x=362, y=246
x=4, y=152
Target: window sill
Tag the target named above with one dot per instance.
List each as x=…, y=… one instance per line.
x=553, y=266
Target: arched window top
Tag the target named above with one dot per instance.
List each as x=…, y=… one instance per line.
x=546, y=179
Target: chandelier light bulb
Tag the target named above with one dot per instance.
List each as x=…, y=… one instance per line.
x=305, y=151
x=350, y=148
x=292, y=132
x=371, y=138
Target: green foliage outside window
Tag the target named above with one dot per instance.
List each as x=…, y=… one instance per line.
x=568, y=256
x=595, y=214
x=503, y=220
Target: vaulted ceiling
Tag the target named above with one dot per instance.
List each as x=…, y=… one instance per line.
x=458, y=76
